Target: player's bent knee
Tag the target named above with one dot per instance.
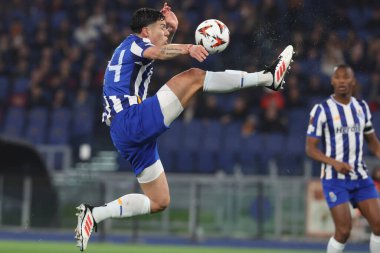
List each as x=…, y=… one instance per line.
x=197, y=75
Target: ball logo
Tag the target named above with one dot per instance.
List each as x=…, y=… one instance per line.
x=332, y=197
x=203, y=30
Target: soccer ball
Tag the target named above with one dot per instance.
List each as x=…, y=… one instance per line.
x=213, y=35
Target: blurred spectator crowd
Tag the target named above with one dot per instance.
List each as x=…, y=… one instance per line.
x=53, y=54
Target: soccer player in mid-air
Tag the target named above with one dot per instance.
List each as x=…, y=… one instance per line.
x=137, y=121
x=342, y=123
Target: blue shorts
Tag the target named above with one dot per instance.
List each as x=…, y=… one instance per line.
x=339, y=191
x=134, y=133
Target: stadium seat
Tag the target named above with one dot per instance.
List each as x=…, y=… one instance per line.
x=4, y=89
x=206, y=161
x=271, y=150
x=59, y=126
x=82, y=124
x=168, y=144
x=291, y=162
x=363, y=80
x=20, y=85
x=249, y=158
x=207, y=153
x=187, y=156
x=171, y=139
x=37, y=125
x=298, y=120
x=212, y=135
x=230, y=147
x=14, y=122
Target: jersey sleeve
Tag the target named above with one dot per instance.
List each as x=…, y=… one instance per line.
x=317, y=120
x=139, y=46
x=368, y=128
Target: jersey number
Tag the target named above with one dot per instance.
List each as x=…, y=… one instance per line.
x=117, y=68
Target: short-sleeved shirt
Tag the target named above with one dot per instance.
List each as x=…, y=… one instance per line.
x=135, y=121
x=127, y=76
x=341, y=129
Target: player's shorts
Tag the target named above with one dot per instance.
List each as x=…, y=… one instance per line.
x=339, y=191
x=134, y=133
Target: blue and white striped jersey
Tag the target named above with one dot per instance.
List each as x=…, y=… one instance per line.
x=127, y=76
x=341, y=129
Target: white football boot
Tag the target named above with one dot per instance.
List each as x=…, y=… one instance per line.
x=279, y=68
x=86, y=224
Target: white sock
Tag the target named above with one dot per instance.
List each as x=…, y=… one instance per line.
x=127, y=206
x=334, y=246
x=231, y=80
x=374, y=243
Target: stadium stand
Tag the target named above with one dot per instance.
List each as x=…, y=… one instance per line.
x=53, y=54
x=37, y=125
x=58, y=133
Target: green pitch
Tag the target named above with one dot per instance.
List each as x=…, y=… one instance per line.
x=49, y=247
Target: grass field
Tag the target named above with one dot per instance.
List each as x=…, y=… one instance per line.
x=50, y=247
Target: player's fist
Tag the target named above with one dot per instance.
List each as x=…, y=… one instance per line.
x=170, y=18
x=341, y=167
x=198, y=52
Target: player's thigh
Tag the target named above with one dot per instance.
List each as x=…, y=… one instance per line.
x=341, y=215
x=370, y=209
x=157, y=190
x=186, y=84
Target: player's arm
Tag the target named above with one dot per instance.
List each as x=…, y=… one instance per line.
x=170, y=51
x=373, y=143
x=171, y=21
x=315, y=153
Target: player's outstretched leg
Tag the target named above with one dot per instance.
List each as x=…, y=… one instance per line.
x=86, y=224
x=279, y=67
x=176, y=94
x=272, y=77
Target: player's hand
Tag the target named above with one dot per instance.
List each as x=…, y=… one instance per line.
x=341, y=167
x=170, y=18
x=198, y=52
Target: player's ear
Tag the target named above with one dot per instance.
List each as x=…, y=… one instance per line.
x=145, y=32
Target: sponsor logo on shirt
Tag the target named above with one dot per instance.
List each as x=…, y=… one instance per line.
x=348, y=129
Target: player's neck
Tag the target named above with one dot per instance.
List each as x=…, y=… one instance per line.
x=343, y=99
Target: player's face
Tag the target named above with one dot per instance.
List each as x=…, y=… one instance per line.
x=343, y=81
x=158, y=33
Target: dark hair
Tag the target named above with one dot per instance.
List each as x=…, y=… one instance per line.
x=343, y=66
x=144, y=17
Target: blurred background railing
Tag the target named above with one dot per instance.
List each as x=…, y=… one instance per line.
x=236, y=162
x=203, y=206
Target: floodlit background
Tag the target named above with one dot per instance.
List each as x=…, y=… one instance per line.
x=236, y=163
